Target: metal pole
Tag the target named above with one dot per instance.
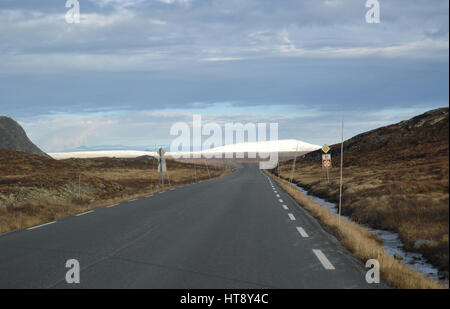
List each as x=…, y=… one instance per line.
x=190, y=163
x=293, y=163
x=79, y=189
x=162, y=174
x=342, y=162
x=195, y=170
x=328, y=179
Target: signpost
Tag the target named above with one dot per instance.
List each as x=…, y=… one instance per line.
x=342, y=163
x=161, y=166
x=326, y=160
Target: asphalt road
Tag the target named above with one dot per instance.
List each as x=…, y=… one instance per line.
x=234, y=232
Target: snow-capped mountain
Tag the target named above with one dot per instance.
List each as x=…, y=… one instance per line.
x=288, y=145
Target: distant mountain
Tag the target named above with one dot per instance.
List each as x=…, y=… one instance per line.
x=102, y=154
x=109, y=148
x=13, y=137
x=419, y=137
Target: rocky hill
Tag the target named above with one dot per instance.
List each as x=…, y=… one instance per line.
x=422, y=136
x=13, y=137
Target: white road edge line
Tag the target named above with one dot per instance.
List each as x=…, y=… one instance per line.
x=41, y=225
x=302, y=232
x=111, y=206
x=323, y=259
x=291, y=216
x=285, y=207
x=84, y=213
x=133, y=200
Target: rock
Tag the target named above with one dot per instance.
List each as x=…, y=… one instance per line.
x=420, y=242
x=398, y=257
x=443, y=275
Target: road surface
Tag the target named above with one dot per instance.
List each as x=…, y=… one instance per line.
x=240, y=231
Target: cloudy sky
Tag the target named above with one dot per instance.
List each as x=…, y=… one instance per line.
x=132, y=68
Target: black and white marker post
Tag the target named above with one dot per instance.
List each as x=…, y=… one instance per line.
x=161, y=166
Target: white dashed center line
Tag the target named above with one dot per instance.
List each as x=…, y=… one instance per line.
x=41, y=225
x=280, y=200
x=278, y=195
x=84, y=213
x=302, y=232
x=323, y=259
x=285, y=207
x=291, y=216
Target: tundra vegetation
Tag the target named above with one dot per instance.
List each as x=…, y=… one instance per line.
x=35, y=189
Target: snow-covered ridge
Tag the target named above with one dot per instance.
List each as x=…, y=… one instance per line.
x=288, y=145
x=101, y=154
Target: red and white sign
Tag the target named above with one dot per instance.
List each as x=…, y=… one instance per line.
x=326, y=160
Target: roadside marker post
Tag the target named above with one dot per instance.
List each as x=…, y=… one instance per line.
x=79, y=186
x=293, y=164
x=161, y=166
x=156, y=166
x=342, y=162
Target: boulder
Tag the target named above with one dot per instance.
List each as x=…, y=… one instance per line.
x=398, y=257
x=420, y=242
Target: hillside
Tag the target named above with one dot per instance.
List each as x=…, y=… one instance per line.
x=423, y=136
x=13, y=137
x=395, y=178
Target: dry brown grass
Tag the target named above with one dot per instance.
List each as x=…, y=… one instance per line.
x=363, y=244
x=409, y=198
x=35, y=190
